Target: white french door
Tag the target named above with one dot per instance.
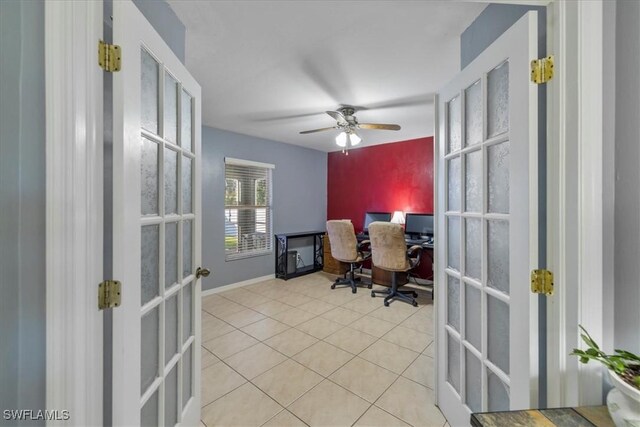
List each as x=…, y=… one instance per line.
x=487, y=322
x=157, y=229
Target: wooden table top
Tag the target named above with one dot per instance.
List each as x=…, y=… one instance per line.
x=585, y=416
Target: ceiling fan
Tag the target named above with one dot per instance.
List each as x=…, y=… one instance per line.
x=348, y=125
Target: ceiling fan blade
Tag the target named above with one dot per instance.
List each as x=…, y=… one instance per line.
x=338, y=116
x=317, y=130
x=378, y=126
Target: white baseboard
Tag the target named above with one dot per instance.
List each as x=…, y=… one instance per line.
x=237, y=285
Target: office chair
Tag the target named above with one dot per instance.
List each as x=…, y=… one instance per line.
x=389, y=252
x=346, y=249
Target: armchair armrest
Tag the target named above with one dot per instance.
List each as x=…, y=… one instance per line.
x=412, y=251
x=364, y=249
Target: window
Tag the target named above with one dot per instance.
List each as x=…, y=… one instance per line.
x=247, y=217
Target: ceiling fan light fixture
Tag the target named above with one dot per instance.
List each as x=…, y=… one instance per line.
x=354, y=139
x=341, y=139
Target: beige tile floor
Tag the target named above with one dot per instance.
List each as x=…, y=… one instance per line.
x=296, y=353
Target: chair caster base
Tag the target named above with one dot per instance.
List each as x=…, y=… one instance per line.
x=370, y=286
x=333, y=286
x=354, y=290
x=373, y=294
x=386, y=303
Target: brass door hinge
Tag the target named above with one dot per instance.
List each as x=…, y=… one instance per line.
x=542, y=70
x=109, y=294
x=108, y=56
x=542, y=282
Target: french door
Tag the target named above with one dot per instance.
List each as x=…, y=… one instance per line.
x=487, y=321
x=157, y=229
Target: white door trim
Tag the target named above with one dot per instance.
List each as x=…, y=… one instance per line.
x=574, y=198
x=74, y=206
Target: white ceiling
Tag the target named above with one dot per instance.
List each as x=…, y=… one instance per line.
x=271, y=68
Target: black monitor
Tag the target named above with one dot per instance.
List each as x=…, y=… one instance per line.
x=370, y=217
x=419, y=224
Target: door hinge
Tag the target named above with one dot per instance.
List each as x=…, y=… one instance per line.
x=109, y=294
x=542, y=70
x=542, y=282
x=108, y=56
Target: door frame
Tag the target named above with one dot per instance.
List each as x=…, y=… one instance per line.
x=74, y=209
x=576, y=182
x=575, y=189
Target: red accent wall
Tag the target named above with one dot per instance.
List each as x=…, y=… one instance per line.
x=382, y=178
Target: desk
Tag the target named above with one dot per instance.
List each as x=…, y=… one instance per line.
x=282, y=248
x=575, y=417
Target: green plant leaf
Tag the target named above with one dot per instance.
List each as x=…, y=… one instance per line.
x=636, y=381
x=584, y=359
x=593, y=352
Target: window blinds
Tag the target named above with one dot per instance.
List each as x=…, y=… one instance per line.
x=248, y=212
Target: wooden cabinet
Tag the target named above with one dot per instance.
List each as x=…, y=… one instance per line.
x=332, y=265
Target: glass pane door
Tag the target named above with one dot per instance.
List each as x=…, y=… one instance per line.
x=477, y=241
x=167, y=304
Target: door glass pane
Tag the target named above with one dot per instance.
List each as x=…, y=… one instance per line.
x=170, y=108
x=150, y=331
x=473, y=319
x=171, y=254
x=170, y=181
x=498, y=170
x=453, y=362
x=498, y=333
x=149, y=177
x=171, y=397
x=453, y=302
x=473, y=248
x=186, y=185
x=185, y=121
x=455, y=125
x=187, y=247
x=498, y=393
x=453, y=242
x=187, y=376
x=498, y=100
x=473, y=114
x=473, y=182
x=149, y=412
x=498, y=255
x=170, y=328
x=187, y=303
x=150, y=263
x=149, y=93
x=473, y=381
x=454, y=185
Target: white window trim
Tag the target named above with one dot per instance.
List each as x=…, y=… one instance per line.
x=241, y=162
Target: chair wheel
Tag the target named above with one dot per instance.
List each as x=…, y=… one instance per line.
x=333, y=286
x=370, y=286
x=386, y=303
x=415, y=303
x=415, y=295
x=353, y=291
x=373, y=294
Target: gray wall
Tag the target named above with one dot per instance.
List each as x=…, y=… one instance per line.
x=165, y=22
x=299, y=198
x=494, y=20
x=22, y=206
x=627, y=186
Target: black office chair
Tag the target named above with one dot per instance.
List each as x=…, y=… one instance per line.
x=345, y=248
x=389, y=252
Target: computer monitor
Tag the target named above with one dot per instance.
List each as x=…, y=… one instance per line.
x=419, y=224
x=370, y=217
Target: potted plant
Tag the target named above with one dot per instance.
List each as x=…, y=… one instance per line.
x=623, y=401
